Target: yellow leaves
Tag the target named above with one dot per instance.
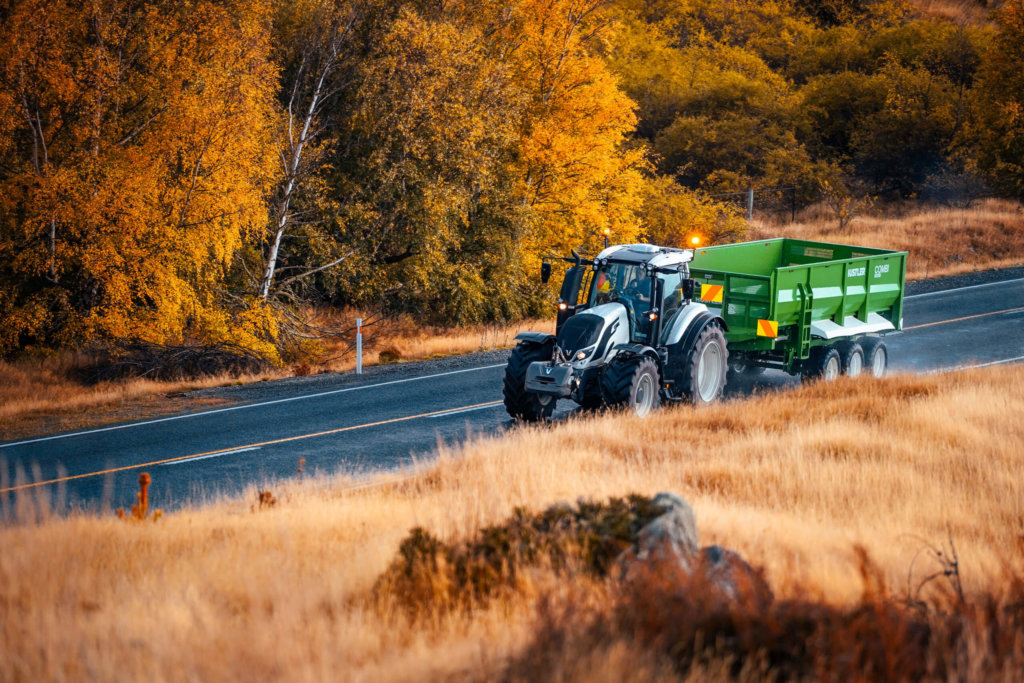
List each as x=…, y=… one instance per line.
x=673, y=214
x=144, y=165
x=578, y=174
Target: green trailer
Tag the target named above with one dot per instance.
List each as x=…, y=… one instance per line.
x=800, y=306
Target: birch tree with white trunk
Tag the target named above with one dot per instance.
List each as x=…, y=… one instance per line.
x=324, y=31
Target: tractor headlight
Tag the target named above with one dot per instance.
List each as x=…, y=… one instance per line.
x=583, y=353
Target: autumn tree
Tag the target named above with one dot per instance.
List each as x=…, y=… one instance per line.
x=314, y=42
x=673, y=215
x=134, y=138
x=477, y=137
x=1000, y=132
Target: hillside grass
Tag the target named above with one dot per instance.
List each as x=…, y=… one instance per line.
x=967, y=12
x=797, y=482
x=940, y=241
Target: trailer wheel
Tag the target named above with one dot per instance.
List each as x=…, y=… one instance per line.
x=851, y=358
x=520, y=403
x=705, y=365
x=632, y=382
x=740, y=373
x=824, y=363
x=876, y=356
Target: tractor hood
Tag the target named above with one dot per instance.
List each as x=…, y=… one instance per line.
x=589, y=334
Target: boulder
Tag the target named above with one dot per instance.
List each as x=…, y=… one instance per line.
x=669, y=546
x=673, y=535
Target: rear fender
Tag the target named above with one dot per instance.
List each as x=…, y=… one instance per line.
x=683, y=325
x=692, y=331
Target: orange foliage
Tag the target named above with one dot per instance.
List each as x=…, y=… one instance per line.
x=136, y=143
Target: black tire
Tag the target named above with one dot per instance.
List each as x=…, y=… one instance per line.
x=823, y=363
x=592, y=401
x=520, y=403
x=851, y=358
x=705, y=366
x=742, y=373
x=632, y=382
x=876, y=356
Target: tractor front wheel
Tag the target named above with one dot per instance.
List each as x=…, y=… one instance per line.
x=632, y=382
x=520, y=403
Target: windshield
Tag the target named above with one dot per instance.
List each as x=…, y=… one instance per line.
x=627, y=284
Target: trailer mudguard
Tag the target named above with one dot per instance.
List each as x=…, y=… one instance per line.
x=539, y=338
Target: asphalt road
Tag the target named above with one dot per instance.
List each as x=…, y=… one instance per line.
x=360, y=425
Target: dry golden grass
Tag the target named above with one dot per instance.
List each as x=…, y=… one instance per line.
x=791, y=480
x=40, y=396
x=941, y=241
x=403, y=339
x=968, y=12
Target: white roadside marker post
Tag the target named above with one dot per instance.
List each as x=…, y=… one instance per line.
x=359, y=346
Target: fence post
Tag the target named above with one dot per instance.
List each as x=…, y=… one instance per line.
x=359, y=346
x=750, y=204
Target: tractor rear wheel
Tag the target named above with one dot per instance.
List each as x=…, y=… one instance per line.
x=705, y=365
x=632, y=382
x=520, y=403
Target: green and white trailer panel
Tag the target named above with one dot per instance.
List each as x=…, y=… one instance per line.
x=782, y=297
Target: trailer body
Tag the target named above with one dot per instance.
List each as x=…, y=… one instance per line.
x=781, y=298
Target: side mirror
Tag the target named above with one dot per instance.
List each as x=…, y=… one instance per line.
x=545, y=272
x=688, y=288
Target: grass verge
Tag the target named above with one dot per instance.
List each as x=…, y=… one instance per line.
x=842, y=493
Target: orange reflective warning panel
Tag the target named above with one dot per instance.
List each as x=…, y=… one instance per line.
x=767, y=328
x=712, y=293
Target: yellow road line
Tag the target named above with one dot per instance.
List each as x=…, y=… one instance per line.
x=966, y=317
x=251, y=445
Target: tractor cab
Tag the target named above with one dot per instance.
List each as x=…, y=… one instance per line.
x=646, y=280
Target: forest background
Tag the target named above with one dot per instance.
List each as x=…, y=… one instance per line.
x=205, y=171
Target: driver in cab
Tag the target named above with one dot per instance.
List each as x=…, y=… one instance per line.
x=639, y=290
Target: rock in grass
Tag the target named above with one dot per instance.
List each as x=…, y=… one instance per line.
x=668, y=546
x=671, y=535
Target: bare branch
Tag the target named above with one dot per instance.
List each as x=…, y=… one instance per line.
x=314, y=271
